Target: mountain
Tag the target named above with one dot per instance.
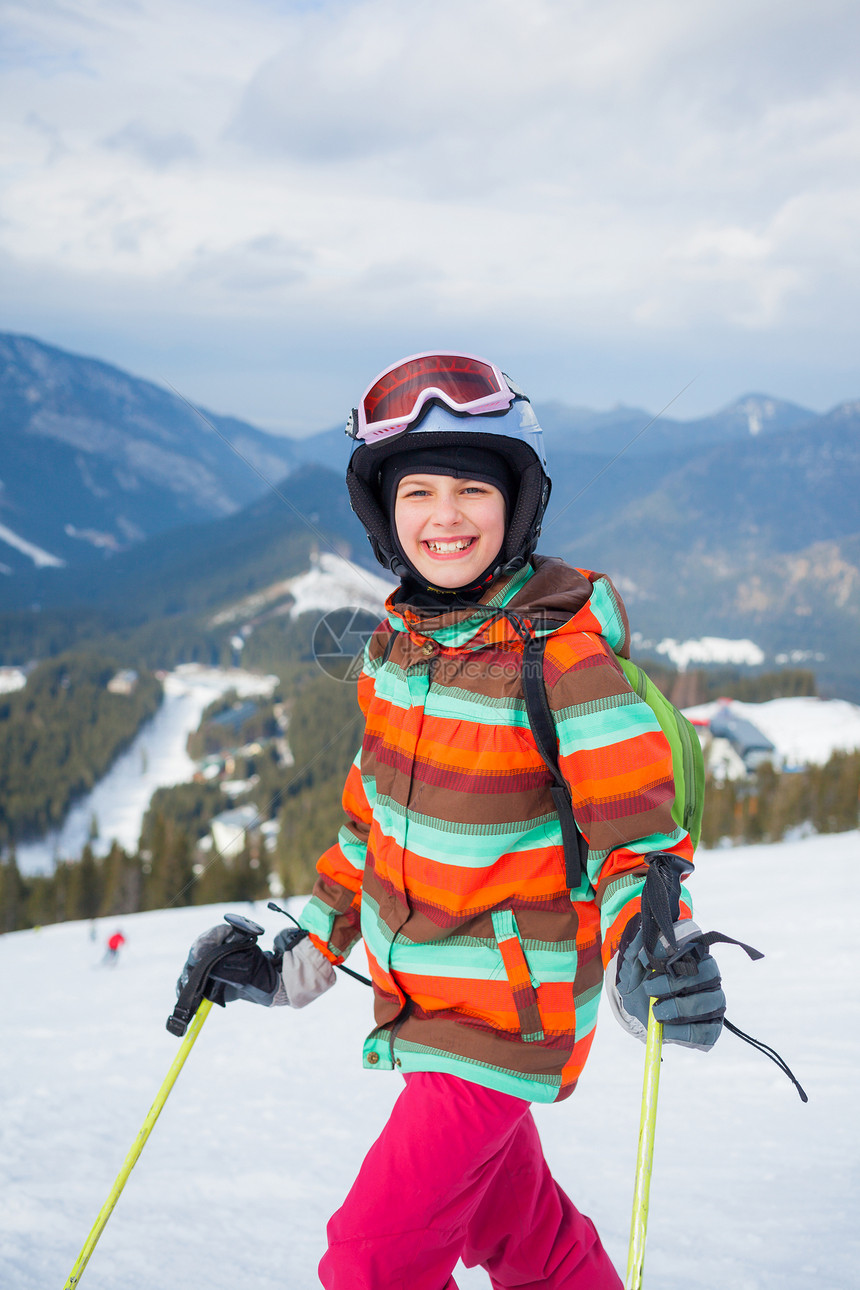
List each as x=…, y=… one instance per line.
x=95, y=460
x=757, y=537
x=742, y=524
x=198, y=567
x=640, y=433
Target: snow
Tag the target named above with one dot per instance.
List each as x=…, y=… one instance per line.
x=335, y=583
x=12, y=679
x=711, y=649
x=804, y=731
x=156, y=758
x=41, y=559
x=272, y=1114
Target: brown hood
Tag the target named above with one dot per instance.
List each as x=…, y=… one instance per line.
x=556, y=597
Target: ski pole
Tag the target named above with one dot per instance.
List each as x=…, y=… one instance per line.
x=244, y=932
x=645, y=1153
x=138, y=1145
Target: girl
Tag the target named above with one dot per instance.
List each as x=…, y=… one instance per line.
x=487, y=967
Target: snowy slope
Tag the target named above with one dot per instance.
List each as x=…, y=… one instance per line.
x=156, y=758
x=804, y=731
x=271, y=1116
x=335, y=583
x=41, y=559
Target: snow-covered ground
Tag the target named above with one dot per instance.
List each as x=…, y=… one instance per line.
x=804, y=731
x=156, y=758
x=710, y=650
x=12, y=679
x=41, y=559
x=272, y=1114
x=335, y=583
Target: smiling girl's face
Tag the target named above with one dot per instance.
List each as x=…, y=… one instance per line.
x=450, y=529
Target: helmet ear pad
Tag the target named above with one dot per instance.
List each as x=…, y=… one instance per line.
x=523, y=529
x=365, y=505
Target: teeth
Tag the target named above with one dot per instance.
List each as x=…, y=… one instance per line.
x=445, y=548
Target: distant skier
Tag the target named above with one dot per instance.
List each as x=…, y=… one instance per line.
x=487, y=964
x=114, y=945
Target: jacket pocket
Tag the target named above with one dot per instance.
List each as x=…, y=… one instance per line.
x=519, y=977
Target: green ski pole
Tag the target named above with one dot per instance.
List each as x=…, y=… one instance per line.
x=191, y=1010
x=137, y=1146
x=645, y=1153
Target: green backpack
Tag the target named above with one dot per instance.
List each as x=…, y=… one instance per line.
x=688, y=764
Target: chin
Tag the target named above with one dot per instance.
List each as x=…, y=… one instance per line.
x=447, y=578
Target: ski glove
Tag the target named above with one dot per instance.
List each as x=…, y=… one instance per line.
x=294, y=973
x=685, y=984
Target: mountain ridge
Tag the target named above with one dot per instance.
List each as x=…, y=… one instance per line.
x=745, y=523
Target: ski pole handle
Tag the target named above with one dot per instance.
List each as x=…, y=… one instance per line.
x=645, y=1153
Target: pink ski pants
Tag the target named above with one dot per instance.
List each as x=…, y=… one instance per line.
x=459, y=1172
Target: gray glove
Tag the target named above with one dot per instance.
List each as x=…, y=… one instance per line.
x=689, y=1000
x=293, y=974
x=305, y=972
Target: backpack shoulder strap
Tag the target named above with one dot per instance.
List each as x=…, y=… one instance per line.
x=546, y=740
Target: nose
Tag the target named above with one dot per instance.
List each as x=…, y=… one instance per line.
x=446, y=512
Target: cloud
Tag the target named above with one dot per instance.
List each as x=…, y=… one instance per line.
x=558, y=177
x=262, y=263
x=155, y=148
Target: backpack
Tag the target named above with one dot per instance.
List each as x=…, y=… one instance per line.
x=688, y=763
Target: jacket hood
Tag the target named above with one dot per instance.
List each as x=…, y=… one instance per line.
x=544, y=597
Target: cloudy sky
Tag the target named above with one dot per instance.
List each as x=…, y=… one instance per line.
x=265, y=202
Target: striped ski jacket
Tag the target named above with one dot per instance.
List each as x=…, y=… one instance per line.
x=450, y=864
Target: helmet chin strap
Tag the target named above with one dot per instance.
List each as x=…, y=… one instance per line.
x=402, y=567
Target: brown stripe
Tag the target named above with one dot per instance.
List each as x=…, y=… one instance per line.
x=476, y=1043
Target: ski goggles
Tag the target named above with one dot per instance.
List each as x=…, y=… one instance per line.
x=466, y=384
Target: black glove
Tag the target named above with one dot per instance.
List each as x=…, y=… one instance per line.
x=294, y=973
x=248, y=973
x=684, y=982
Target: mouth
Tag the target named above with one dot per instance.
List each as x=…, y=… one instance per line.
x=449, y=547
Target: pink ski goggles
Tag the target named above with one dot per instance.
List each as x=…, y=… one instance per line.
x=395, y=400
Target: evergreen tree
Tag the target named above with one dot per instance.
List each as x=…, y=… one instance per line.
x=247, y=877
x=171, y=877
x=89, y=886
x=122, y=883
x=13, y=895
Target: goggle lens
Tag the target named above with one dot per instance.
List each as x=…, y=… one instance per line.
x=462, y=380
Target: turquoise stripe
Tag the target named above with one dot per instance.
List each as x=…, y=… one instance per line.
x=550, y=964
x=606, y=729
x=504, y=925
x=479, y=958
x=586, y=1006
x=578, y=711
x=392, y=686
x=460, y=633
x=510, y=589
x=478, y=709
x=377, y=936
x=368, y=783
x=534, y=1088
x=480, y=961
x=355, y=852
x=473, y=846
x=640, y=846
x=605, y=608
x=318, y=917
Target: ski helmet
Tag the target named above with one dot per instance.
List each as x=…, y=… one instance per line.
x=440, y=400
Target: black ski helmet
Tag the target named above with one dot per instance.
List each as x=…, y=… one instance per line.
x=514, y=434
